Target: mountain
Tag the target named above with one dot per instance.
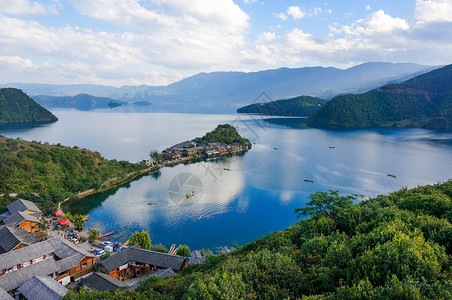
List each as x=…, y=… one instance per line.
x=80, y=101
x=226, y=91
x=300, y=106
x=424, y=101
x=17, y=107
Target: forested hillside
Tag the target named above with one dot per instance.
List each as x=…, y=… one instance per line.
x=53, y=172
x=17, y=107
x=225, y=134
x=424, y=101
x=302, y=106
x=390, y=247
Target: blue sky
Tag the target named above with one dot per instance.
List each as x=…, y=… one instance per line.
x=155, y=42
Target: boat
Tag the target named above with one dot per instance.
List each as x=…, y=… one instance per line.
x=390, y=175
x=309, y=180
x=227, y=169
x=189, y=195
x=152, y=202
x=107, y=234
x=275, y=148
x=332, y=147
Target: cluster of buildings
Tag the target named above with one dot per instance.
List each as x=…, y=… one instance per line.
x=32, y=269
x=192, y=148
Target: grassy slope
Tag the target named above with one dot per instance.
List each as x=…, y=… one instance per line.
x=390, y=247
x=54, y=172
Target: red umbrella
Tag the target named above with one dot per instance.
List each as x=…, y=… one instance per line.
x=58, y=213
x=64, y=222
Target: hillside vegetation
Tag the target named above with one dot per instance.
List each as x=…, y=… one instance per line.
x=302, y=106
x=17, y=107
x=53, y=172
x=80, y=102
x=390, y=247
x=424, y=101
x=225, y=134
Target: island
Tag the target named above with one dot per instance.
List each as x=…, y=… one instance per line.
x=223, y=140
x=16, y=107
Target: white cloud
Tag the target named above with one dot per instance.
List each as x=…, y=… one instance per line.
x=368, y=7
x=250, y=1
x=433, y=11
x=376, y=23
x=281, y=16
x=296, y=12
x=21, y=7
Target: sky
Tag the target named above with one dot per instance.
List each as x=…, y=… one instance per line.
x=157, y=42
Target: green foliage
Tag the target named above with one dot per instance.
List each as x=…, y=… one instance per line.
x=17, y=107
x=183, y=250
x=79, y=222
x=47, y=174
x=141, y=238
x=159, y=248
x=325, y=204
x=154, y=154
x=105, y=255
x=423, y=102
x=388, y=247
x=93, y=234
x=225, y=134
x=300, y=106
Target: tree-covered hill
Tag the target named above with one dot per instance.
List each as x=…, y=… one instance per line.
x=53, y=172
x=17, y=107
x=302, y=106
x=80, y=102
x=225, y=134
x=397, y=246
x=424, y=101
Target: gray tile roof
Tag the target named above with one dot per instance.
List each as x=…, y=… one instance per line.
x=18, y=217
x=70, y=262
x=13, y=280
x=11, y=237
x=137, y=254
x=4, y=295
x=61, y=247
x=22, y=205
x=103, y=282
x=165, y=273
x=42, y=287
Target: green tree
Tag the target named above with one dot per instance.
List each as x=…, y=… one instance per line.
x=155, y=155
x=93, y=234
x=222, y=285
x=79, y=221
x=159, y=248
x=183, y=250
x=325, y=204
x=141, y=238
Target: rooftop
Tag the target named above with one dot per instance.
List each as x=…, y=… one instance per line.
x=22, y=205
x=11, y=237
x=103, y=282
x=42, y=287
x=18, y=217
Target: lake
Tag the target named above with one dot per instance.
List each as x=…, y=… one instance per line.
x=238, y=198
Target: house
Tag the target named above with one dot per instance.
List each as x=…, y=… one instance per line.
x=102, y=282
x=164, y=273
x=4, y=295
x=135, y=261
x=24, y=206
x=171, y=155
x=148, y=162
x=191, y=151
x=211, y=151
x=42, y=287
x=54, y=257
x=15, y=238
x=236, y=147
x=24, y=220
x=223, y=150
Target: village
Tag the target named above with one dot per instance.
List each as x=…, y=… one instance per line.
x=42, y=257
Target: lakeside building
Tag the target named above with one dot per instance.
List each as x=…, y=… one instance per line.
x=22, y=213
x=136, y=261
x=15, y=238
x=55, y=258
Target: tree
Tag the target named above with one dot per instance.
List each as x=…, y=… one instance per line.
x=325, y=204
x=141, y=238
x=43, y=223
x=183, y=250
x=155, y=155
x=79, y=221
x=93, y=234
x=159, y=248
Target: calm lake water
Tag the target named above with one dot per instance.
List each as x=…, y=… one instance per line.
x=260, y=190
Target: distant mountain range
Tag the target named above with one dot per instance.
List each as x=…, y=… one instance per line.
x=80, y=102
x=224, y=92
x=423, y=101
x=16, y=107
